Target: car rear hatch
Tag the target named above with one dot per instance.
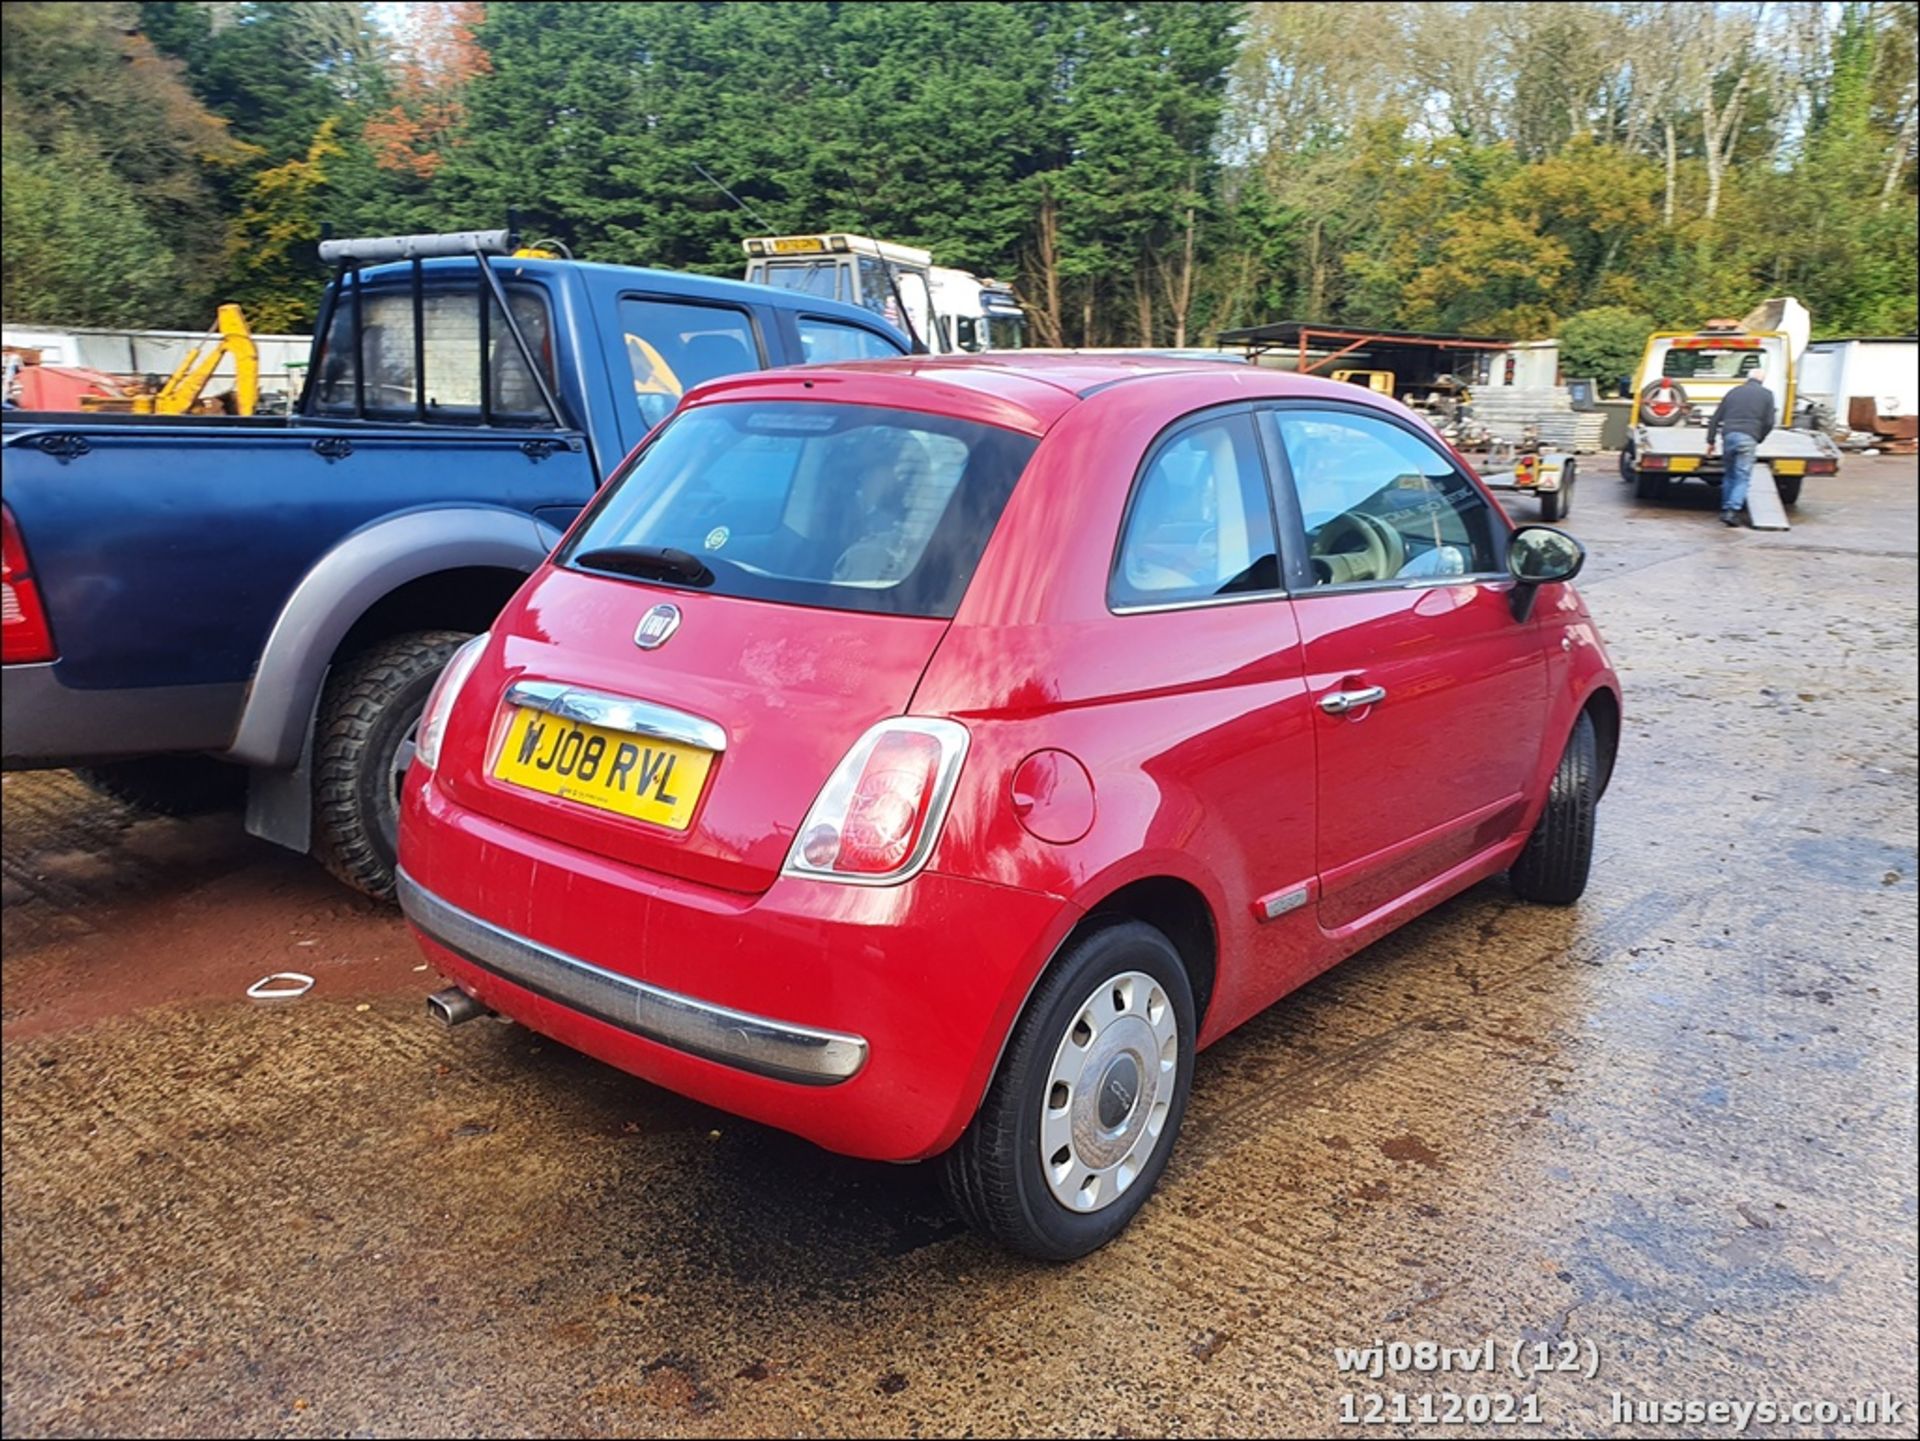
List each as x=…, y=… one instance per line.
x=766, y=582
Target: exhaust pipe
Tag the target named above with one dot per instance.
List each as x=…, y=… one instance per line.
x=454, y=1007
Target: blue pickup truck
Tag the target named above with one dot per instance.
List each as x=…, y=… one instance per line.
x=202, y=609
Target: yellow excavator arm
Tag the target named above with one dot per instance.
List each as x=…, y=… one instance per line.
x=190, y=377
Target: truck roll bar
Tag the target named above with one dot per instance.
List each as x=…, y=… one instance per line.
x=476, y=245
x=378, y=249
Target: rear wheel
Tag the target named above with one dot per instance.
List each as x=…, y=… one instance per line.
x=364, y=746
x=1080, y=1119
x=1650, y=485
x=170, y=785
x=1558, y=504
x=1553, y=868
x=1789, y=488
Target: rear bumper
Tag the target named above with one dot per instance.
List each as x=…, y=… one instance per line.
x=867, y=1019
x=44, y=723
x=758, y=1044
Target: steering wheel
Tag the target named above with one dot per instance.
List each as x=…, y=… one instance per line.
x=1352, y=546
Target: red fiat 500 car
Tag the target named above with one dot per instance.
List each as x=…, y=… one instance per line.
x=930, y=757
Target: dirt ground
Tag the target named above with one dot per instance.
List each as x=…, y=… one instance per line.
x=1676, y=1122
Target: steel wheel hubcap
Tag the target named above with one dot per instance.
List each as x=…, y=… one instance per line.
x=1108, y=1092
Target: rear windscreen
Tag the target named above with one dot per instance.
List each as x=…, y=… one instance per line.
x=1700, y=363
x=851, y=507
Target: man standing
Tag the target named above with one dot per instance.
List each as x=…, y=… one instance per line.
x=1746, y=417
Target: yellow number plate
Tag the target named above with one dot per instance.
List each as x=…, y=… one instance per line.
x=797, y=245
x=1684, y=462
x=1789, y=467
x=638, y=776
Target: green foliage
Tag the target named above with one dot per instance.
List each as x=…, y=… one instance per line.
x=71, y=224
x=271, y=260
x=1604, y=342
x=1145, y=172
x=108, y=157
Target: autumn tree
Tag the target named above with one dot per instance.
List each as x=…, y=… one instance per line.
x=109, y=158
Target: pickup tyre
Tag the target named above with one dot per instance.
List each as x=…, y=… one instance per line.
x=368, y=715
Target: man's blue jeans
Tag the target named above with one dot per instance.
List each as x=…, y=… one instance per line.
x=1740, y=449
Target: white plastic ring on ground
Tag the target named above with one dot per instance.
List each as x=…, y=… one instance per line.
x=280, y=986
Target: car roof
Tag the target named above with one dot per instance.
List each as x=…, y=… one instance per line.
x=1021, y=390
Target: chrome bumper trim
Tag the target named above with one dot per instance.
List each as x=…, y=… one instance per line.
x=618, y=713
x=765, y=1047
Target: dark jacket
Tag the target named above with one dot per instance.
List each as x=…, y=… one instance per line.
x=1748, y=409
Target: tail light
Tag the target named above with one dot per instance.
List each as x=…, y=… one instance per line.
x=446, y=690
x=880, y=812
x=24, y=632
x=1653, y=462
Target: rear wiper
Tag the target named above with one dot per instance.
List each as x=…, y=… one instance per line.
x=652, y=562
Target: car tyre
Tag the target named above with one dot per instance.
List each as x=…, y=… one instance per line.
x=170, y=785
x=1553, y=868
x=363, y=746
x=1650, y=485
x=995, y=1175
x=1789, y=488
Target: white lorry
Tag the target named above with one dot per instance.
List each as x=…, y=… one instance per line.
x=948, y=311
x=1684, y=375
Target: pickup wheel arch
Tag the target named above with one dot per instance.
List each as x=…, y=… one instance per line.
x=349, y=583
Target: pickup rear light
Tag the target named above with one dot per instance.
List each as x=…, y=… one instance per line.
x=1653, y=462
x=1823, y=467
x=446, y=690
x=880, y=812
x=25, y=635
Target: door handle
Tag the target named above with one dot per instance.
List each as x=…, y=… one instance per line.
x=1339, y=702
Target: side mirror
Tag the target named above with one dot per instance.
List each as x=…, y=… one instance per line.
x=1539, y=555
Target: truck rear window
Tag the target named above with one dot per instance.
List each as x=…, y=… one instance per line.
x=1703, y=364
x=848, y=507
x=452, y=331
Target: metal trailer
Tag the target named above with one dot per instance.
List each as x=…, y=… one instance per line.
x=1550, y=475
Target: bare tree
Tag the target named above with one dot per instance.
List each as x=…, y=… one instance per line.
x=1725, y=60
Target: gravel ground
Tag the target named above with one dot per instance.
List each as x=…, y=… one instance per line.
x=1673, y=1126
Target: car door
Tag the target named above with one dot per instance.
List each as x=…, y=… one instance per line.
x=1429, y=696
x=1207, y=653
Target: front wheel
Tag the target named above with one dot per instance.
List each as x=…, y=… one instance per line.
x=1079, y=1121
x=1559, y=854
x=368, y=716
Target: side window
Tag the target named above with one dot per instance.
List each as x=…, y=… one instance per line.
x=1380, y=504
x=673, y=346
x=1199, y=524
x=452, y=353
x=828, y=340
